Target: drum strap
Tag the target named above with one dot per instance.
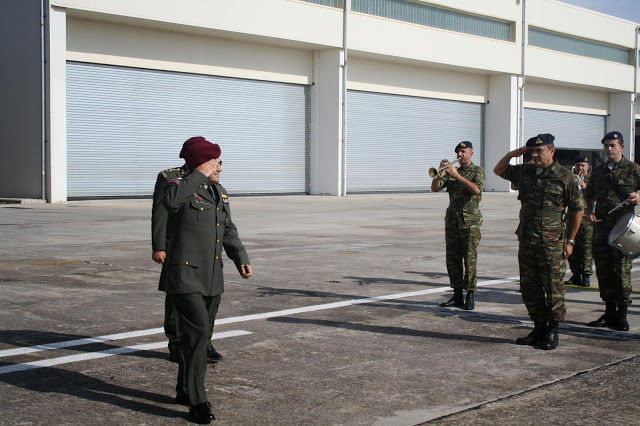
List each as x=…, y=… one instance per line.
x=613, y=184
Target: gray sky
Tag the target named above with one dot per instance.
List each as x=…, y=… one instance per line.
x=626, y=9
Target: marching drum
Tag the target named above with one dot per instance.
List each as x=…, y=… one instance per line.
x=625, y=236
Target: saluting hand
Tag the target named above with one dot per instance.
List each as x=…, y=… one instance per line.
x=209, y=167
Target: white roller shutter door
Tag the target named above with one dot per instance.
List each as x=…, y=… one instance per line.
x=393, y=140
x=124, y=125
x=571, y=130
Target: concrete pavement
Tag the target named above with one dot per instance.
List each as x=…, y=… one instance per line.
x=339, y=325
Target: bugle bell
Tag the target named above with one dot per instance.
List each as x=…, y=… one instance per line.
x=438, y=173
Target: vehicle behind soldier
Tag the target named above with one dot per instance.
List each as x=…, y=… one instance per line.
x=546, y=190
x=462, y=223
x=580, y=262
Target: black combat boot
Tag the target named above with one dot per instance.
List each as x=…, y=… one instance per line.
x=550, y=341
x=622, y=324
x=536, y=336
x=456, y=300
x=574, y=280
x=469, y=304
x=586, y=281
x=609, y=317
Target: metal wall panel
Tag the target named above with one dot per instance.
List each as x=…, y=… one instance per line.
x=571, y=130
x=577, y=46
x=393, y=140
x=126, y=124
x=21, y=92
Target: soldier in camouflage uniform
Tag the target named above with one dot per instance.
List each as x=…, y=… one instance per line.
x=610, y=184
x=462, y=223
x=159, y=243
x=546, y=190
x=581, y=260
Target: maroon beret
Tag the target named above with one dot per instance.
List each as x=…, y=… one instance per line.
x=188, y=144
x=201, y=151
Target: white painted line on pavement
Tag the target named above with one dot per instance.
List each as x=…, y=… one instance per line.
x=102, y=354
x=266, y=315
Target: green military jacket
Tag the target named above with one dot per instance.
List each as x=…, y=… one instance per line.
x=464, y=207
x=159, y=213
x=199, y=228
x=544, y=198
x=625, y=175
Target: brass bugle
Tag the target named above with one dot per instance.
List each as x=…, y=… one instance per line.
x=438, y=173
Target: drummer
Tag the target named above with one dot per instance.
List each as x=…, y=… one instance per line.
x=610, y=184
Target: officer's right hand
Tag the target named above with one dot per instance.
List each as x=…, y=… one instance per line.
x=592, y=218
x=208, y=167
x=520, y=151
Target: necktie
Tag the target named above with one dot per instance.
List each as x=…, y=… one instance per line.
x=213, y=194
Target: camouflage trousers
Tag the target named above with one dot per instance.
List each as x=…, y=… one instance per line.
x=461, y=255
x=542, y=269
x=612, y=268
x=581, y=260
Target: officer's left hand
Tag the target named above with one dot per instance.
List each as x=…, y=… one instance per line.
x=453, y=172
x=246, y=271
x=568, y=250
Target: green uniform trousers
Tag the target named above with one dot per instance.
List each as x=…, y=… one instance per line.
x=613, y=270
x=542, y=270
x=581, y=260
x=196, y=313
x=461, y=256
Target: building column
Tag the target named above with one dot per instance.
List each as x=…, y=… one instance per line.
x=501, y=124
x=325, y=165
x=622, y=119
x=56, y=168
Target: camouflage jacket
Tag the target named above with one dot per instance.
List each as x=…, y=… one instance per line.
x=544, y=198
x=464, y=207
x=159, y=213
x=625, y=176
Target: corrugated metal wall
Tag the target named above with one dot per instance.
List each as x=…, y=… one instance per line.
x=571, y=130
x=393, y=140
x=125, y=125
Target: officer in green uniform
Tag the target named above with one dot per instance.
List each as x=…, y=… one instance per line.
x=200, y=226
x=462, y=223
x=159, y=242
x=546, y=190
x=612, y=183
x=580, y=262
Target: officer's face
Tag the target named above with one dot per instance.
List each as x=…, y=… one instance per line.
x=613, y=150
x=215, y=175
x=542, y=156
x=581, y=167
x=464, y=155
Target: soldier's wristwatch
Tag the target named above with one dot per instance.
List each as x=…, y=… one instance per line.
x=572, y=242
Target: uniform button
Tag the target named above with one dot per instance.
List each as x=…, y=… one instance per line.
x=217, y=241
x=217, y=224
x=217, y=208
x=201, y=209
x=216, y=257
x=186, y=263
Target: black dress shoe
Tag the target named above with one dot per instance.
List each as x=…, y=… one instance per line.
x=574, y=280
x=201, y=413
x=182, y=399
x=455, y=301
x=213, y=355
